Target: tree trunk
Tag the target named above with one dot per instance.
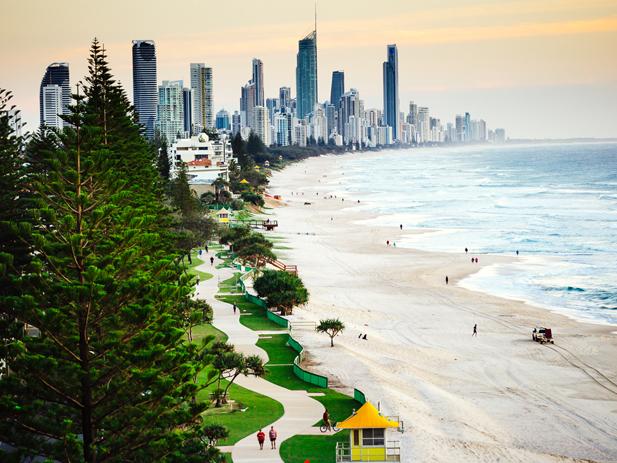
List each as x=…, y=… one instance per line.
x=331, y=341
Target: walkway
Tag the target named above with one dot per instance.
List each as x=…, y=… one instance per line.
x=301, y=411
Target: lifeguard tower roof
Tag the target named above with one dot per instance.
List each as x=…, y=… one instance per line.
x=367, y=417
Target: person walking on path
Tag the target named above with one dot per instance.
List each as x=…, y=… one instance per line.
x=206, y=248
x=273, y=435
x=211, y=261
x=475, y=330
x=235, y=308
x=447, y=279
x=261, y=438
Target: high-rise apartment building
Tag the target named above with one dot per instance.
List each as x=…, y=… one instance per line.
x=281, y=126
x=306, y=75
x=258, y=79
x=144, y=84
x=459, y=124
x=391, y=110
x=247, y=103
x=56, y=74
x=52, y=107
x=202, y=86
x=467, y=127
x=412, y=117
x=424, y=125
x=260, y=125
x=350, y=112
x=338, y=87
x=236, y=123
x=170, y=111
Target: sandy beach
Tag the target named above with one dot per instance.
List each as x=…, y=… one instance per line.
x=495, y=397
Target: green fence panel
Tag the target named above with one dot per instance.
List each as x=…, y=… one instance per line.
x=277, y=319
x=295, y=345
x=255, y=300
x=359, y=396
x=306, y=376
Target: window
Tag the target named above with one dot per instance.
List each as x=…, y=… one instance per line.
x=373, y=437
x=356, y=437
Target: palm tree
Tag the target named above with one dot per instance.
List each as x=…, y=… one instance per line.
x=332, y=327
x=219, y=185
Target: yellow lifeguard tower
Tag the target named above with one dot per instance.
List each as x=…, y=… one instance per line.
x=223, y=216
x=369, y=439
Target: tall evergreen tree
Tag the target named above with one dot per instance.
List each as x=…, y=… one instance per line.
x=110, y=376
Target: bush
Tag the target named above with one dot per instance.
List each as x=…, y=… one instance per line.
x=253, y=198
x=237, y=204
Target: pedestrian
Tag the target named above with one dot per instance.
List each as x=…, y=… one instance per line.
x=387, y=242
x=473, y=260
x=401, y=226
x=211, y=261
x=235, y=308
x=206, y=248
x=364, y=337
x=261, y=438
x=466, y=250
x=198, y=280
x=517, y=252
x=360, y=335
x=394, y=243
x=272, y=434
x=476, y=260
x=446, y=279
x=200, y=253
x=475, y=330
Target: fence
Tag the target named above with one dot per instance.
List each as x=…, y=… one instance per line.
x=276, y=318
x=359, y=396
x=306, y=376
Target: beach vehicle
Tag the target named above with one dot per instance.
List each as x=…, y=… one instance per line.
x=542, y=335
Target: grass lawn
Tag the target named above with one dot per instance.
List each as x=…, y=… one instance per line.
x=340, y=406
x=317, y=449
x=260, y=411
x=230, y=285
x=253, y=316
x=227, y=457
x=201, y=331
x=197, y=261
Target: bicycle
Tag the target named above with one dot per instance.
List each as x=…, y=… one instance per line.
x=324, y=428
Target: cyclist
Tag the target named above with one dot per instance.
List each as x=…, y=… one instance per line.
x=326, y=420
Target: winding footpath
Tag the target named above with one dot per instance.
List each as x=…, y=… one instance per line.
x=301, y=412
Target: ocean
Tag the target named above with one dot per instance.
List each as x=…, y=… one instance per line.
x=554, y=203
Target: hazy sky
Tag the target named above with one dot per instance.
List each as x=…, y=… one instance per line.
x=539, y=68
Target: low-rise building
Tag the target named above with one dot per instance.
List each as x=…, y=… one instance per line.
x=205, y=159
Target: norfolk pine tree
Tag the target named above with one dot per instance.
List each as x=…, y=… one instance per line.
x=110, y=377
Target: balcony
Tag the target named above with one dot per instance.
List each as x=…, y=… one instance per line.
x=391, y=451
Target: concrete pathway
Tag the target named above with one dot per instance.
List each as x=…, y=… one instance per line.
x=300, y=410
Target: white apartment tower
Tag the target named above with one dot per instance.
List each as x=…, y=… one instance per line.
x=202, y=86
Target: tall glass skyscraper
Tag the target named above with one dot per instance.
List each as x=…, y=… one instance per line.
x=258, y=79
x=56, y=74
x=187, y=103
x=145, y=93
x=338, y=87
x=391, y=111
x=306, y=75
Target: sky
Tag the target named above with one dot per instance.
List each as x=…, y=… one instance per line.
x=539, y=68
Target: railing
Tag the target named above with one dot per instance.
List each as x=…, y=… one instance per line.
x=281, y=266
x=296, y=325
x=389, y=452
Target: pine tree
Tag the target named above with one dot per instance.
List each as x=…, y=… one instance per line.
x=110, y=377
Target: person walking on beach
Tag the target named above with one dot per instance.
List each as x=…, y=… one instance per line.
x=261, y=438
x=446, y=279
x=387, y=242
x=211, y=261
x=401, y=225
x=475, y=330
x=517, y=252
x=364, y=337
x=272, y=434
x=466, y=250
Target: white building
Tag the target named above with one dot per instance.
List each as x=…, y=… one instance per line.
x=206, y=160
x=261, y=124
x=281, y=127
x=52, y=106
x=170, y=111
x=202, y=85
x=300, y=134
x=424, y=127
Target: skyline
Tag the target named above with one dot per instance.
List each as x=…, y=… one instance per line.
x=526, y=73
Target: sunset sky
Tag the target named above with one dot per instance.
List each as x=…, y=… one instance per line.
x=539, y=68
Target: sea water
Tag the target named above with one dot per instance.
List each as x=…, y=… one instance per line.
x=554, y=203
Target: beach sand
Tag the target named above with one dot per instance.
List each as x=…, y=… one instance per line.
x=495, y=397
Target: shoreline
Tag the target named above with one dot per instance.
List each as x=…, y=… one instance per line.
x=397, y=296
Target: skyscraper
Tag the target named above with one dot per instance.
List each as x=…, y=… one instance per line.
x=144, y=84
x=390, y=91
x=202, y=86
x=52, y=106
x=338, y=87
x=247, y=103
x=306, y=75
x=170, y=110
x=285, y=97
x=260, y=125
x=187, y=103
x=56, y=74
x=467, y=127
x=258, y=79
x=222, y=120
